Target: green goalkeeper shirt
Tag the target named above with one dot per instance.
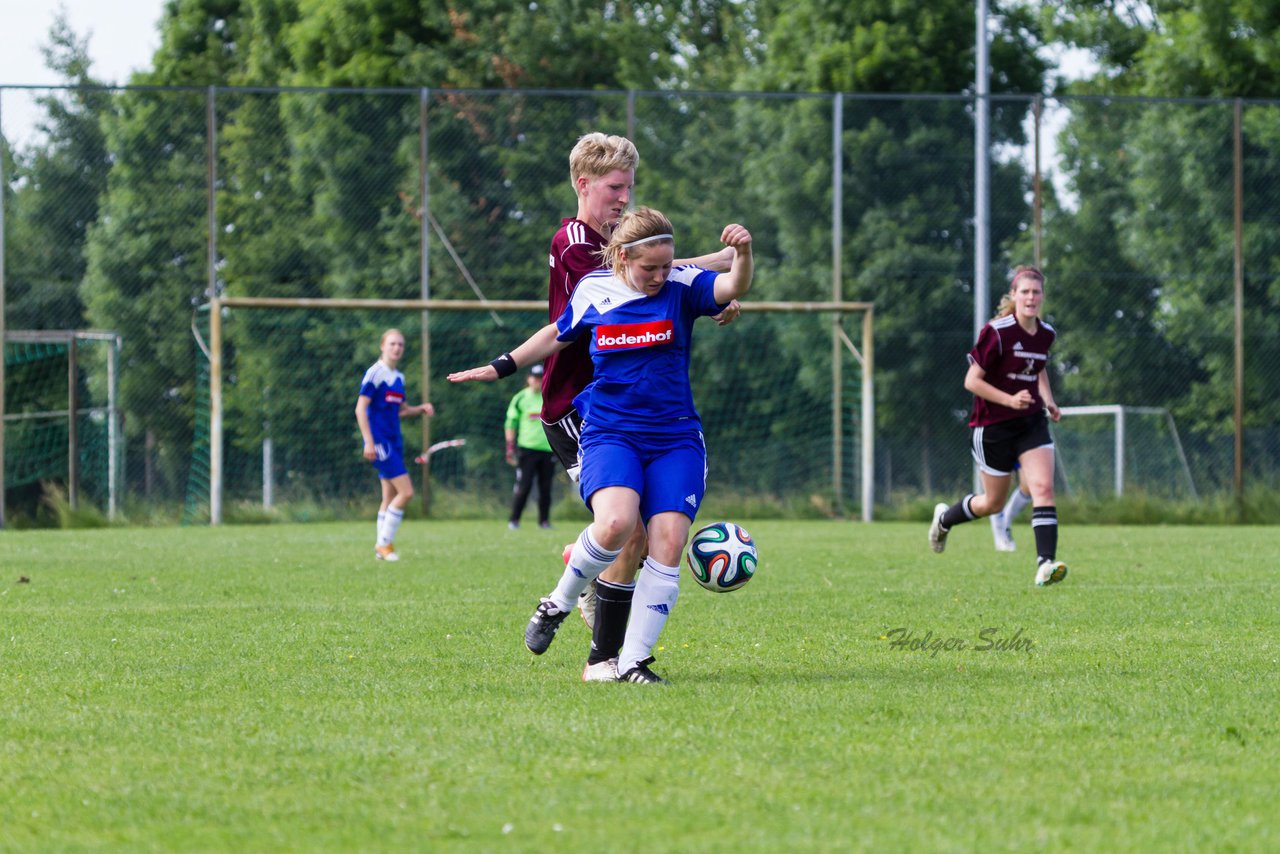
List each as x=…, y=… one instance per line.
x=524, y=415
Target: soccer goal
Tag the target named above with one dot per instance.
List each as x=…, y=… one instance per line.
x=59, y=414
x=1108, y=448
x=784, y=420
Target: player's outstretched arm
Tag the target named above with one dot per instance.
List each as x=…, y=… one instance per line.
x=717, y=262
x=737, y=282
x=421, y=409
x=539, y=346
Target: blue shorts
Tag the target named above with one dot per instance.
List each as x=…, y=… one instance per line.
x=669, y=472
x=390, y=459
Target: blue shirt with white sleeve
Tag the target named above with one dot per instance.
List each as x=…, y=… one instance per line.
x=640, y=348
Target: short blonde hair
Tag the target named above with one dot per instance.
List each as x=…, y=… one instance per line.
x=598, y=154
x=385, y=335
x=636, y=224
x=1006, y=301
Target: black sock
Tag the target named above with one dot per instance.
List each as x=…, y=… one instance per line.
x=1044, y=524
x=613, y=609
x=958, y=513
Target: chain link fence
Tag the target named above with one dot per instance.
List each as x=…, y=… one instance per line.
x=1154, y=221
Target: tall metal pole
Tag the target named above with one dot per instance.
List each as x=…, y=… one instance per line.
x=837, y=227
x=868, y=415
x=981, y=187
x=211, y=152
x=1238, y=157
x=113, y=428
x=981, y=177
x=424, y=288
x=73, y=427
x=1038, y=203
x=215, y=411
x=2, y=252
x=215, y=316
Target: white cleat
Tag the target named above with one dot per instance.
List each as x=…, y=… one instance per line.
x=387, y=553
x=1050, y=572
x=1002, y=535
x=938, y=534
x=601, y=671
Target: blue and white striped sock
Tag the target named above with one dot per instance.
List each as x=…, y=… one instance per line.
x=587, y=560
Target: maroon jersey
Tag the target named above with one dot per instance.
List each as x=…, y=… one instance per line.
x=1012, y=359
x=574, y=253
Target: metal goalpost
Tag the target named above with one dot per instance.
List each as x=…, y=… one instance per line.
x=1118, y=412
x=75, y=409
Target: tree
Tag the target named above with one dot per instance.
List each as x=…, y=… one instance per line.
x=1162, y=172
x=60, y=180
x=147, y=252
x=907, y=189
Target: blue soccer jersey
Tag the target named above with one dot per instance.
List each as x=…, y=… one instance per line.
x=384, y=387
x=640, y=348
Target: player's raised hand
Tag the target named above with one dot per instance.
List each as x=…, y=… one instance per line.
x=730, y=313
x=487, y=374
x=735, y=235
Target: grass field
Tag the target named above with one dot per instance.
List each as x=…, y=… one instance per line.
x=274, y=688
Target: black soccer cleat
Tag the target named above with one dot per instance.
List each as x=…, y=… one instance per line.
x=641, y=673
x=542, y=626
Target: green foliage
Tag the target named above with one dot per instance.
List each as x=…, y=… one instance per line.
x=320, y=195
x=251, y=688
x=1156, y=210
x=62, y=177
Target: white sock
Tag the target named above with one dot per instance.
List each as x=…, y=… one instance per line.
x=656, y=591
x=382, y=518
x=1015, y=505
x=587, y=560
x=390, y=525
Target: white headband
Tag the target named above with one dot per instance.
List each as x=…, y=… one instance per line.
x=647, y=239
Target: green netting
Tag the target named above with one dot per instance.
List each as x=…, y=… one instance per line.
x=195, y=508
x=1151, y=461
x=22, y=352
x=36, y=435
x=762, y=385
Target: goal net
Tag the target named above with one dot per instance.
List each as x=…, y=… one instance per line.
x=784, y=425
x=61, y=419
x=1114, y=450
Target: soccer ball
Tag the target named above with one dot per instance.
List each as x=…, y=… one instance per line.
x=722, y=556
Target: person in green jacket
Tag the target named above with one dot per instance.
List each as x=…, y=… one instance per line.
x=528, y=449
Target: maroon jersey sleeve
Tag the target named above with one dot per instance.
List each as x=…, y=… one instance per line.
x=986, y=353
x=1011, y=360
x=574, y=253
